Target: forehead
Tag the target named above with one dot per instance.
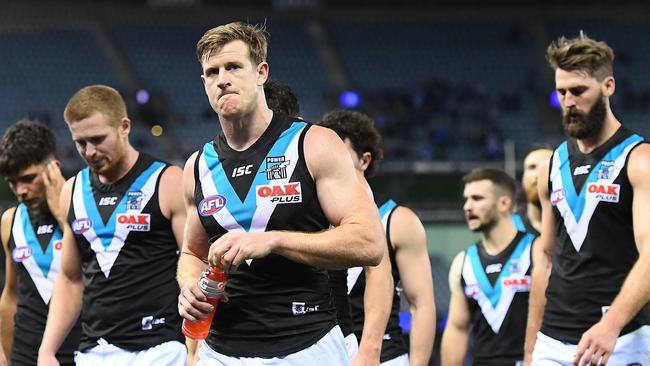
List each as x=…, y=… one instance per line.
x=29, y=170
x=569, y=79
x=233, y=51
x=96, y=124
x=481, y=187
x=537, y=156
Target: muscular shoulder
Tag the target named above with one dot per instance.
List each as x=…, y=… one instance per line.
x=639, y=164
x=170, y=183
x=324, y=151
x=406, y=229
x=455, y=271
x=5, y=224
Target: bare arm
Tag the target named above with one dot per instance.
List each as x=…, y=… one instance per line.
x=542, y=253
x=171, y=203
x=357, y=238
x=65, y=304
x=377, y=302
x=8, y=299
x=600, y=339
x=191, y=301
x=456, y=335
x=409, y=240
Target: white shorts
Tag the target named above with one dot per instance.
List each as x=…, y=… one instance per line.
x=631, y=349
x=351, y=345
x=328, y=351
x=172, y=353
x=402, y=360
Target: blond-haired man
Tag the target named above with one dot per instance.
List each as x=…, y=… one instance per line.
x=264, y=192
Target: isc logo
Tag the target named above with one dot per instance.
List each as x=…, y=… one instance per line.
x=21, y=254
x=286, y=193
x=80, y=226
x=134, y=222
x=108, y=201
x=45, y=229
x=211, y=205
x=242, y=170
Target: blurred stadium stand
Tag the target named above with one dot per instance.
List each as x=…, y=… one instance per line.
x=451, y=84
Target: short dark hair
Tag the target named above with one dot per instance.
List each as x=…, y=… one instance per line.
x=360, y=129
x=25, y=143
x=498, y=177
x=281, y=98
x=538, y=146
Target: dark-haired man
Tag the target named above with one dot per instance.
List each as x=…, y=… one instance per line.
x=32, y=242
x=529, y=218
x=490, y=280
x=407, y=252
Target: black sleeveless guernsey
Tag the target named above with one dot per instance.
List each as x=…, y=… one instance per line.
x=277, y=306
x=129, y=259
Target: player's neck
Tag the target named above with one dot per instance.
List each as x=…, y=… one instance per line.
x=497, y=239
x=534, y=214
x=610, y=127
x=242, y=132
x=122, y=168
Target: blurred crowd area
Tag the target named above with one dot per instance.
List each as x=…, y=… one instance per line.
x=450, y=88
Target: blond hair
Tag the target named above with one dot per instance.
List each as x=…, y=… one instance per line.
x=93, y=99
x=595, y=58
x=254, y=36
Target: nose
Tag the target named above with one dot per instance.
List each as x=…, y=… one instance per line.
x=223, y=81
x=21, y=189
x=569, y=100
x=90, y=150
x=467, y=206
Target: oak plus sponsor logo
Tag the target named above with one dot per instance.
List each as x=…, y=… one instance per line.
x=211, y=205
x=20, y=254
x=604, y=192
x=517, y=283
x=557, y=196
x=131, y=222
x=81, y=225
x=279, y=193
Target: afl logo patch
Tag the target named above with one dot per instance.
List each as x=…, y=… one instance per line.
x=80, y=226
x=557, y=196
x=21, y=254
x=211, y=205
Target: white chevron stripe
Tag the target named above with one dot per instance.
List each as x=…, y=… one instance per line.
x=44, y=285
x=264, y=209
x=577, y=229
x=106, y=257
x=494, y=316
